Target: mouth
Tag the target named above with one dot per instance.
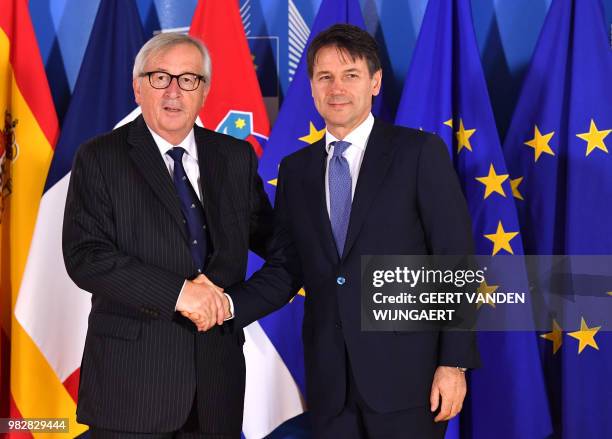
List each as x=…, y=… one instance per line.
x=338, y=104
x=172, y=109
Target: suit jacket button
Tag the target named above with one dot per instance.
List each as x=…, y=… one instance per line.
x=338, y=325
x=340, y=280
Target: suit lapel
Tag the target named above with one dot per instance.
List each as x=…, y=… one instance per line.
x=213, y=169
x=148, y=161
x=314, y=190
x=376, y=161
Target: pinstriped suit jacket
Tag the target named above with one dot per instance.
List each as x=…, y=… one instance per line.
x=124, y=241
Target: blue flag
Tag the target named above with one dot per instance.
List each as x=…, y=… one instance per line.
x=445, y=92
x=103, y=92
x=557, y=148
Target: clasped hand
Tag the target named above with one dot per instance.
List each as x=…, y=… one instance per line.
x=203, y=303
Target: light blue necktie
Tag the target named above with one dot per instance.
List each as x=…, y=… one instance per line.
x=340, y=186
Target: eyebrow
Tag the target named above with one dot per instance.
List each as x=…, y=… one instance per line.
x=349, y=70
x=178, y=74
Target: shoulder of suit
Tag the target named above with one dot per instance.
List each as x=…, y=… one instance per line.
x=110, y=142
x=414, y=136
x=296, y=162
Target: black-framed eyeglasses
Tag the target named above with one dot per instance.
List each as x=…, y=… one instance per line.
x=186, y=81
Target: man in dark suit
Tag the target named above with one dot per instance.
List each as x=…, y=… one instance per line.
x=151, y=207
x=367, y=188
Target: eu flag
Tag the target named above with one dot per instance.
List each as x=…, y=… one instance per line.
x=445, y=92
x=557, y=152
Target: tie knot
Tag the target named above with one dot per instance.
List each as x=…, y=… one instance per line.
x=176, y=153
x=339, y=147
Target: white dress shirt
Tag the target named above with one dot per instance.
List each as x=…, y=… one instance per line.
x=358, y=138
x=190, y=158
x=192, y=169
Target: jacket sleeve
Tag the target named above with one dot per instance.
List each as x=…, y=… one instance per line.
x=280, y=278
x=262, y=216
x=92, y=258
x=448, y=231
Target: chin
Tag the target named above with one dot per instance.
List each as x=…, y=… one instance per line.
x=338, y=122
x=173, y=125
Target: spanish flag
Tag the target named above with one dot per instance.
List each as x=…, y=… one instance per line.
x=28, y=132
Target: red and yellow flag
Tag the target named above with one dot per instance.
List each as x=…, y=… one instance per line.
x=28, y=132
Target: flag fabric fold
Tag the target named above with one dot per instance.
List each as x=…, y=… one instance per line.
x=445, y=92
x=234, y=105
x=557, y=147
x=50, y=308
x=28, y=132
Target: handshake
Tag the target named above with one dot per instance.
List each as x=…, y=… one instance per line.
x=204, y=303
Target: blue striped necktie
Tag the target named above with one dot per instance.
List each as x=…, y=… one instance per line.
x=192, y=210
x=340, y=185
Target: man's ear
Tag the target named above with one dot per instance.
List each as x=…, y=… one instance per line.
x=376, y=82
x=136, y=87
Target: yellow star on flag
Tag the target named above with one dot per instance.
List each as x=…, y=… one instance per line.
x=514, y=184
x=274, y=181
x=302, y=293
x=540, y=143
x=463, y=137
x=586, y=336
x=449, y=122
x=240, y=123
x=313, y=135
x=594, y=138
x=485, y=289
x=556, y=336
x=501, y=239
x=493, y=182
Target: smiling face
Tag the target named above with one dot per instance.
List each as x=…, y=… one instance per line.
x=171, y=112
x=342, y=89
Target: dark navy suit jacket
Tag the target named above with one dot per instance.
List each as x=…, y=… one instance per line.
x=407, y=201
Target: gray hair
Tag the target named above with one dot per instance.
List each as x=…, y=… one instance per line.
x=165, y=41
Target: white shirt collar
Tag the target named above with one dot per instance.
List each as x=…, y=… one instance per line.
x=358, y=137
x=188, y=144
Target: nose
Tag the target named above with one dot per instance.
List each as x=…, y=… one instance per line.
x=336, y=86
x=173, y=88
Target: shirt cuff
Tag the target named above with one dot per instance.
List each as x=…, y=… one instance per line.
x=231, y=304
x=179, y=296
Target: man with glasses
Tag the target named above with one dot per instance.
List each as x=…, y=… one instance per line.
x=153, y=207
